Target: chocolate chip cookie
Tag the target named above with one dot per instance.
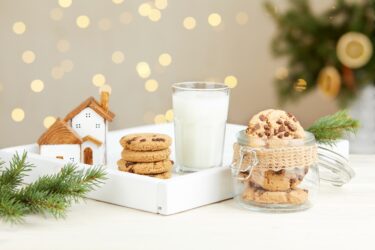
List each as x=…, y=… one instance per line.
x=145, y=156
x=146, y=168
x=146, y=142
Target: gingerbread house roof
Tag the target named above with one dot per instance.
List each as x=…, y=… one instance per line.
x=92, y=139
x=91, y=103
x=59, y=133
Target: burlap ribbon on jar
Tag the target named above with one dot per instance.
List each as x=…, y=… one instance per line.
x=278, y=158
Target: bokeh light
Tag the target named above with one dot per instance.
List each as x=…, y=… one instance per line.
x=49, y=121
x=28, y=56
x=231, y=81
x=214, y=19
x=63, y=46
x=169, y=115
x=300, y=85
x=118, y=57
x=57, y=72
x=98, y=80
x=161, y=4
x=143, y=69
x=151, y=85
x=144, y=9
x=19, y=28
x=65, y=3
x=189, y=23
x=160, y=118
x=154, y=15
x=83, y=22
x=117, y=1
x=37, y=85
x=18, y=115
x=165, y=59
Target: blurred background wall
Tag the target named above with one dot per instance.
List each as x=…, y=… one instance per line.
x=54, y=54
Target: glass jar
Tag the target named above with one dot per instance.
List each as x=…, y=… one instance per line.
x=274, y=175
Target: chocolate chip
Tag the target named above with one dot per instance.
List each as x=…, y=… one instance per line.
x=286, y=123
x=289, y=114
x=129, y=163
x=267, y=133
x=260, y=134
x=292, y=182
x=280, y=172
x=266, y=127
x=279, y=121
x=281, y=129
x=280, y=136
x=131, y=140
x=291, y=127
x=262, y=118
x=158, y=139
x=143, y=140
x=172, y=162
x=286, y=134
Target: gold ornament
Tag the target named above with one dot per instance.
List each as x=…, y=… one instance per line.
x=354, y=50
x=329, y=81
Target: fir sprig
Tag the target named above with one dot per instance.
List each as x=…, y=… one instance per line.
x=50, y=194
x=333, y=127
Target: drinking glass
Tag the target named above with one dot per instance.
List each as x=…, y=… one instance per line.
x=200, y=116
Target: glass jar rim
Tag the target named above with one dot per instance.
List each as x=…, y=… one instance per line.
x=200, y=86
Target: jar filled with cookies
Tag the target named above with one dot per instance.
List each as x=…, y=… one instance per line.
x=275, y=164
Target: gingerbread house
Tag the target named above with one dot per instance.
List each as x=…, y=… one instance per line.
x=83, y=130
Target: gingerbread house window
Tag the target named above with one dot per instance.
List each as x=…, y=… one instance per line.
x=97, y=125
x=78, y=125
x=88, y=115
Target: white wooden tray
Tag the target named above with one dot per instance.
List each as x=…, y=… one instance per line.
x=180, y=193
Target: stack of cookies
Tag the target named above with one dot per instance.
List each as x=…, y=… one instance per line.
x=272, y=129
x=146, y=154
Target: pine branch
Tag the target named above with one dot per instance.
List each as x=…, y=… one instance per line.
x=48, y=195
x=333, y=127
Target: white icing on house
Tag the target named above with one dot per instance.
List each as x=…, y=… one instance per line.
x=87, y=126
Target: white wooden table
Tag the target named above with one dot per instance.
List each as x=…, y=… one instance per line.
x=342, y=218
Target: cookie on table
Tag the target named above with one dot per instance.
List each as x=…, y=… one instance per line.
x=145, y=156
x=275, y=124
x=146, y=142
x=145, y=168
x=293, y=196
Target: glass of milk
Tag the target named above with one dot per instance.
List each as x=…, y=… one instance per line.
x=200, y=115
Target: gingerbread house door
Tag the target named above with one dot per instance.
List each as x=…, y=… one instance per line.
x=87, y=156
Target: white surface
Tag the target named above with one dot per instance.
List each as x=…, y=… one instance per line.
x=69, y=152
x=200, y=118
x=343, y=218
x=180, y=193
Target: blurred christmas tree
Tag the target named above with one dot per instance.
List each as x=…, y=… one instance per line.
x=332, y=51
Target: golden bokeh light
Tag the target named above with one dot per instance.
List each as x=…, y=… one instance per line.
x=126, y=17
x=189, y=23
x=281, y=73
x=56, y=14
x=231, y=81
x=151, y=85
x=242, y=18
x=37, y=85
x=144, y=9
x=160, y=118
x=49, y=121
x=63, y=46
x=98, y=80
x=19, y=28
x=83, y=22
x=165, y=59
x=67, y=65
x=18, y=115
x=214, y=19
x=161, y=4
x=28, y=56
x=154, y=15
x=65, y=3
x=169, y=115
x=118, y=57
x=104, y=24
x=300, y=85
x=117, y=1
x=57, y=72
x=143, y=69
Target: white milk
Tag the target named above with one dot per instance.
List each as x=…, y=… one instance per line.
x=200, y=118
